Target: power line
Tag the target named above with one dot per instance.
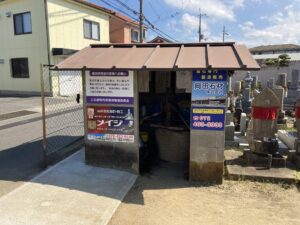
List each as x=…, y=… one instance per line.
x=151, y=25
x=152, y=7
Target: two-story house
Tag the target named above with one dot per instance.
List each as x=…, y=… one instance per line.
x=122, y=29
x=34, y=32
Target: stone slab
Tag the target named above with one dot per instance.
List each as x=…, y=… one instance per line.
x=236, y=169
x=69, y=193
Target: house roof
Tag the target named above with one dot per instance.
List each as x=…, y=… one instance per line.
x=179, y=56
x=264, y=48
x=86, y=3
x=113, y=13
x=125, y=18
x=154, y=40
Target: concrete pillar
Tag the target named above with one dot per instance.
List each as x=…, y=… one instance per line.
x=207, y=155
x=207, y=144
x=120, y=155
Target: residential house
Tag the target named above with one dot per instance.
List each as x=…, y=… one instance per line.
x=273, y=51
x=122, y=29
x=35, y=32
x=160, y=40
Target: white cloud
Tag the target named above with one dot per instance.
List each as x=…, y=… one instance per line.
x=190, y=23
x=216, y=9
x=283, y=28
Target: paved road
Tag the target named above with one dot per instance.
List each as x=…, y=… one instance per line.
x=21, y=152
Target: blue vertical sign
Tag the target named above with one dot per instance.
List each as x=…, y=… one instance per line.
x=209, y=93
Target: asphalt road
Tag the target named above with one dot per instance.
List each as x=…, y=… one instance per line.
x=21, y=151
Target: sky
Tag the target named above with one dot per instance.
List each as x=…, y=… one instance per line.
x=251, y=22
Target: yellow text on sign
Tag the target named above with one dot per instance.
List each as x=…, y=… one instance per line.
x=208, y=111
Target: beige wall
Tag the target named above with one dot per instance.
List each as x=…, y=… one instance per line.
x=65, y=31
x=66, y=25
x=32, y=46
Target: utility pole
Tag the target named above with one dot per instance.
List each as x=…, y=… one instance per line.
x=201, y=36
x=224, y=33
x=141, y=22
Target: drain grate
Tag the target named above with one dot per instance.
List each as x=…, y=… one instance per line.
x=11, y=115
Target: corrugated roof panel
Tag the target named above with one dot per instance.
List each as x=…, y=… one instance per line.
x=135, y=58
x=191, y=57
x=246, y=56
x=222, y=57
x=163, y=58
x=108, y=58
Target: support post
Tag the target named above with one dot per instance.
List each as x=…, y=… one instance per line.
x=141, y=22
x=44, y=116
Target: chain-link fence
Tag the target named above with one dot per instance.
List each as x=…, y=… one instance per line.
x=63, y=125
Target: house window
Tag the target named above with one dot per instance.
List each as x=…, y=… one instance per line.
x=19, y=68
x=135, y=36
x=22, y=23
x=91, y=30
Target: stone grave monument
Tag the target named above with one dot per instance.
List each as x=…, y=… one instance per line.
x=261, y=133
x=246, y=102
x=279, y=92
x=297, y=141
x=293, y=88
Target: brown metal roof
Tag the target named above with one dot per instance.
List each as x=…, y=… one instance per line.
x=162, y=57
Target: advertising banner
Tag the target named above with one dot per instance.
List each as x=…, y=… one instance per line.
x=209, y=93
x=109, y=87
x=209, y=87
x=112, y=124
x=208, y=118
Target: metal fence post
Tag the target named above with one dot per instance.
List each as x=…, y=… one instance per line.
x=43, y=117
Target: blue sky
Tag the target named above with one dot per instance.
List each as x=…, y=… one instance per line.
x=252, y=22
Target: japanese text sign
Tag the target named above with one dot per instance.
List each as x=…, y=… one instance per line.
x=209, y=87
x=113, y=124
x=109, y=87
x=208, y=118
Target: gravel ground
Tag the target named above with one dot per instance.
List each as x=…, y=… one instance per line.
x=164, y=199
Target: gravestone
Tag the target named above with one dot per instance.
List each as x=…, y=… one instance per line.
x=271, y=83
x=237, y=88
x=229, y=126
x=264, y=148
x=297, y=142
x=254, y=82
x=295, y=79
x=293, y=88
x=279, y=92
x=246, y=102
x=281, y=80
x=243, y=123
x=265, y=109
x=297, y=114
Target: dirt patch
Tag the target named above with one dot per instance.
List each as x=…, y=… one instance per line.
x=170, y=200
